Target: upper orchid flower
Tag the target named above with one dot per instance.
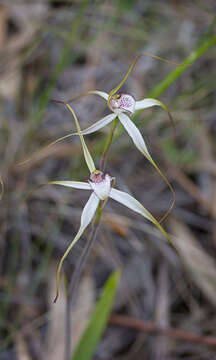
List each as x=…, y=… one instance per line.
x=101, y=186
x=123, y=106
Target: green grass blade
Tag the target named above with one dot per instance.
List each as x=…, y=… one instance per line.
x=98, y=321
x=195, y=55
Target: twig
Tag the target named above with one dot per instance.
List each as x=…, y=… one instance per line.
x=152, y=328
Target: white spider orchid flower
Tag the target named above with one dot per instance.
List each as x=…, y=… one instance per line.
x=123, y=106
x=101, y=186
x=102, y=189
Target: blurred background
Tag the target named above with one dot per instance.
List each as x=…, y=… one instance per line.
x=59, y=49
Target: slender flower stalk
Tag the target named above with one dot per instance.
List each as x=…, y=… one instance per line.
x=102, y=188
x=107, y=145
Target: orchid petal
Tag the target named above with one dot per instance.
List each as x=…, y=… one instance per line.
x=98, y=125
x=87, y=155
x=103, y=94
x=146, y=103
x=94, y=92
x=86, y=217
x=43, y=149
x=130, y=202
x=74, y=184
x=88, y=158
x=138, y=140
x=134, y=133
x=112, y=92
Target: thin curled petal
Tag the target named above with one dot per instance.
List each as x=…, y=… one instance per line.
x=74, y=184
x=43, y=149
x=138, y=140
x=112, y=92
x=87, y=155
x=130, y=202
x=87, y=216
x=170, y=187
x=148, y=102
x=102, y=94
x=88, y=158
x=98, y=125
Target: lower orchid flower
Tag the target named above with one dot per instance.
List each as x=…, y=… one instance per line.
x=101, y=186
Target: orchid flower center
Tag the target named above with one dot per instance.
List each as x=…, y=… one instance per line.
x=101, y=184
x=122, y=102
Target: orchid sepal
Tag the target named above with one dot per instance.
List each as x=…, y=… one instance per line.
x=74, y=184
x=133, y=204
x=102, y=187
x=97, y=125
x=87, y=155
x=86, y=217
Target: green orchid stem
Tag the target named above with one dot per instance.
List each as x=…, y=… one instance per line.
x=108, y=143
